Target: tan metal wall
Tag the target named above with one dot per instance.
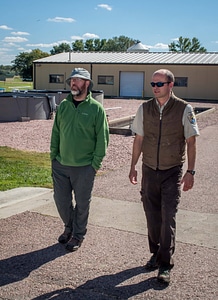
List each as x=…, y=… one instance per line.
x=42, y=72
x=202, y=80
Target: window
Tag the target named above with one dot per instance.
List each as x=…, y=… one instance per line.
x=181, y=81
x=54, y=78
x=106, y=80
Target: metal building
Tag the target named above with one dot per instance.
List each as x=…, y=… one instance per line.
x=128, y=74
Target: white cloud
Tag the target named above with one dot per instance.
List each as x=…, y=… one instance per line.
x=21, y=49
x=63, y=41
x=85, y=36
x=105, y=6
x=6, y=59
x=160, y=46
x=12, y=39
x=50, y=45
x=20, y=33
x=61, y=20
x=42, y=45
x=76, y=37
x=5, y=27
x=175, y=39
x=90, y=36
x=10, y=44
x=4, y=50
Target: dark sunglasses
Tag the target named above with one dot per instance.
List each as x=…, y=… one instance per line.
x=158, y=84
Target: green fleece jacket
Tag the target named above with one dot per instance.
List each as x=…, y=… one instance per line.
x=80, y=135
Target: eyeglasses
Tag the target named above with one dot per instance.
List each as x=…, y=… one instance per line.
x=158, y=84
x=76, y=79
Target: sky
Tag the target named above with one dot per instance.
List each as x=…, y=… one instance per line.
x=26, y=24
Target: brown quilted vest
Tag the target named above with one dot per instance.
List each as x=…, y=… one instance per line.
x=164, y=141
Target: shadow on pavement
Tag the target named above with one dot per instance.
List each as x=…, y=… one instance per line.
x=107, y=287
x=18, y=267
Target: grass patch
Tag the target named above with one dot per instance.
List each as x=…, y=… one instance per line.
x=23, y=169
x=16, y=83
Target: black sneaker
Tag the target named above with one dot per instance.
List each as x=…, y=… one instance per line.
x=64, y=237
x=164, y=275
x=152, y=264
x=73, y=244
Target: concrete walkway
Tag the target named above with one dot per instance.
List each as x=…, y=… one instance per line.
x=193, y=227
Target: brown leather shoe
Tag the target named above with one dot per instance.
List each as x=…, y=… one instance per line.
x=64, y=237
x=73, y=244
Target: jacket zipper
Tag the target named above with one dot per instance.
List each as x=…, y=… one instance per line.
x=159, y=138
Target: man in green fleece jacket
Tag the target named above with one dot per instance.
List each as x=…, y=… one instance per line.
x=79, y=140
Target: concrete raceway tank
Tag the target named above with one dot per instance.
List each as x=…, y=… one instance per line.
x=33, y=105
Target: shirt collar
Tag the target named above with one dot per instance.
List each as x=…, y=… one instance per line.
x=162, y=107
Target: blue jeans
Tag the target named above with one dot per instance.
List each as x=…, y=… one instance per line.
x=160, y=194
x=68, y=182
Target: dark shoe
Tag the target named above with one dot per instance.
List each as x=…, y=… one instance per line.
x=64, y=237
x=164, y=275
x=152, y=264
x=73, y=244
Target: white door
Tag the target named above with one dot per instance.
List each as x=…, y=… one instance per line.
x=131, y=84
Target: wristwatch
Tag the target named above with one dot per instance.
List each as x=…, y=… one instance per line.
x=191, y=172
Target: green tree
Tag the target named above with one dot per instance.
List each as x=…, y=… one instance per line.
x=63, y=47
x=99, y=45
x=196, y=46
x=89, y=45
x=95, y=45
x=116, y=44
x=23, y=63
x=186, y=45
x=78, y=45
x=5, y=72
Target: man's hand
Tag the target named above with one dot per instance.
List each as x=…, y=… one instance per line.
x=133, y=176
x=187, y=181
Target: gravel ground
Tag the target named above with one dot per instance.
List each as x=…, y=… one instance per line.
x=35, y=136
x=109, y=265
x=104, y=268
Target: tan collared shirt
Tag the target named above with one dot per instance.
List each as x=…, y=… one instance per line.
x=188, y=121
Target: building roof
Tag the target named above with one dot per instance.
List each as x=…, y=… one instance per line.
x=169, y=58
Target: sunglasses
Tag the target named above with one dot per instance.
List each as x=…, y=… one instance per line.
x=158, y=84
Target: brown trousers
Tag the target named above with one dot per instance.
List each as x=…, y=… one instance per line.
x=160, y=194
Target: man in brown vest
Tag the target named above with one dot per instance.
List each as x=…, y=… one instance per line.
x=165, y=132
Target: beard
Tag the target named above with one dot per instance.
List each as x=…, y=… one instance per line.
x=76, y=91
